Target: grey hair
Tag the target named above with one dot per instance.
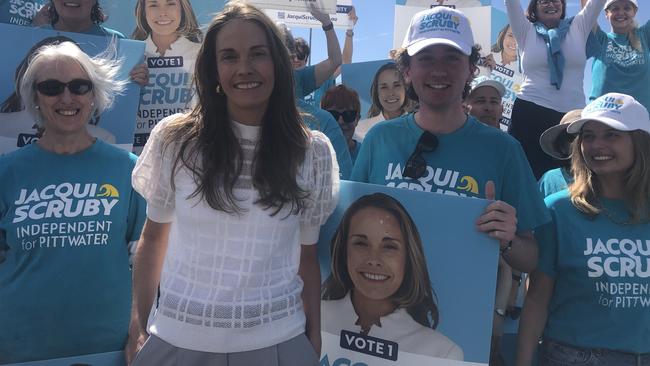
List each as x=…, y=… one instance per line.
x=102, y=71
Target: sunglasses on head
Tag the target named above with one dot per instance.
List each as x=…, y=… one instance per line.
x=348, y=116
x=416, y=165
x=53, y=87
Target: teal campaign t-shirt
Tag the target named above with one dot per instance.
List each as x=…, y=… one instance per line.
x=19, y=12
x=97, y=30
x=305, y=81
x=554, y=180
x=601, y=270
x=618, y=67
x=464, y=161
x=65, y=284
x=321, y=120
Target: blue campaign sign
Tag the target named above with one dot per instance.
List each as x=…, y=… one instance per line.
x=17, y=125
x=461, y=264
x=450, y=3
x=358, y=76
x=98, y=359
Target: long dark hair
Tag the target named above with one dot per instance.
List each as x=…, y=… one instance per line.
x=207, y=145
x=97, y=15
x=415, y=294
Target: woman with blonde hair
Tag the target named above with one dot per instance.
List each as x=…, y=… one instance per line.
x=236, y=191
x=587, y=298
x=622, y=56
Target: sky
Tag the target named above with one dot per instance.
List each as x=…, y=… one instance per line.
x=373, y=34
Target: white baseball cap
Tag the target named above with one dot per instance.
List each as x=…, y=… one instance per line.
x=439, y=25
x=486, y=81
x=618, y=111
x=610, y=2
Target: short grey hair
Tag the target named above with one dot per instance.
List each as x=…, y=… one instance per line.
x=102, y=71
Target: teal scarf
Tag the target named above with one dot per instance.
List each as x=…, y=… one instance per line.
x=553, y=39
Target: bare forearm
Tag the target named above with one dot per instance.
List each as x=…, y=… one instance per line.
x=326, y=68
x=309, y=272
x=522, y=254
x=533, y=318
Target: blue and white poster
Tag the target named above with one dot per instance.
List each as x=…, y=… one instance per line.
x=448, y=3
x=358, y=76
x=17, y=126
x=384, y=246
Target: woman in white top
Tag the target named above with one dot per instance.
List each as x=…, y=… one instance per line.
x=237, y=190
x=552, y=49
x=388, y=95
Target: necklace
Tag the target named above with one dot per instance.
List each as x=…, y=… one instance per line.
x=618, y=221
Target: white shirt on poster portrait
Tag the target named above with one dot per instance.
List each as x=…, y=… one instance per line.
x=365, y=125
x=399, y=327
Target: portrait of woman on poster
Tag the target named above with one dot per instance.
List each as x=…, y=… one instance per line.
x=379, y=285
x=15, y=120
x=388, y=96
x=169, y=28
x=504, y=50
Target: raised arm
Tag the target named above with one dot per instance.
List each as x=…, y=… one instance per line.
x=326, y=68
x=518, y=21
x=588, y=15
x=348, y=43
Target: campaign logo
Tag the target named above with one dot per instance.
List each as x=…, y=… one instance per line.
x=437, y=180
x=67, y=200
x=439, y=22
x=605, y=104
x=369, y=345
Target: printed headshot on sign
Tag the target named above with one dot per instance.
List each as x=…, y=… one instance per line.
x=380, y=277
x=396, y=286
x=173, y=38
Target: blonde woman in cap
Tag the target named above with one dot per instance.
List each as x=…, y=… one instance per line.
x=556, y=143
x=621, y=56
x=588, y=296
x=422, y=150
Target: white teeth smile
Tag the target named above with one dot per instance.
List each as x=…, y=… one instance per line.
x=250, y=85
x=67, y=112
x=437, y=86
x=72, y=5
x=164, y=22
x=394, y=100
x=374, y=277
x=603, y=157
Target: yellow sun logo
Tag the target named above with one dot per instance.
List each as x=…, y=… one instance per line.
x=107, y=190
x=468, y=184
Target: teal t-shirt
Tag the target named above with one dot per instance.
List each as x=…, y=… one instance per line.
x=19, y=12
x=65, y=286
x=601, y=270
x=617, y=67
x=355, y=151
x=315, y=97
x=305, y=81
x=461, y=165
x=554, y=180
x=323, y=121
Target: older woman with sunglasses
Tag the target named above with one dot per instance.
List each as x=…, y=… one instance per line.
x=343, y=103
x=67, y=212
x=552, y=50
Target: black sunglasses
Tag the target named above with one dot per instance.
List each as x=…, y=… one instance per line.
x=416, y=165
x=348, y=116
x=300, y=56
x=53, y=87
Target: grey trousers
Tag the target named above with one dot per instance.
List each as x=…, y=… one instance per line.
x=297, y=351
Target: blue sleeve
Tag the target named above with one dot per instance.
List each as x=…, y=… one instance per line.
x=318, y=94
x=305, y=80
x=362, y=162
x=332, y=130
x=137, y=215
x=595, y=42
x=646, y=30
x=520, y=190
x=547, y=243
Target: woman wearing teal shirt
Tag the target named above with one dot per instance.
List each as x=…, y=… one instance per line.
x=590, y=293
x=621, y=57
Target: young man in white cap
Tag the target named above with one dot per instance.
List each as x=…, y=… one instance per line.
x=440, y=149
x=484, y=101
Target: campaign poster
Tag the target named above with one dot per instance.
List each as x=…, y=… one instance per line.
x=297, y=15
x=500, y=61
x=389, y=244
x=17, y=125
x=359, y=76
x=19, y=12
x=98, y=359
x=448, y=3
x=326, y=6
